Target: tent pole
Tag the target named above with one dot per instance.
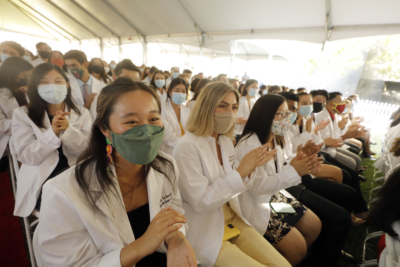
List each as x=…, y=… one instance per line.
x=102, y=48
x=232, y=56
x=120, y=48
x=144, y=51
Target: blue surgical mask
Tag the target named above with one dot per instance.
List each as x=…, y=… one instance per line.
x=178, y=98
x=113, y=66
x=345, y=110
x=159, y=83
x=4, y=57
x=252, y=92
x=306, y=110
x=27, y=58
x=293, y=117
x=53, y=93
x=265, y=92
x=175, y=74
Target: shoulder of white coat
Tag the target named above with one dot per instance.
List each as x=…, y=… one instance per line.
x=21, y=111
x=65, y=182
x=188, y=141
x=172, y=160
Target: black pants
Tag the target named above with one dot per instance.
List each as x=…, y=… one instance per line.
x=335, y=218
x=350, y=177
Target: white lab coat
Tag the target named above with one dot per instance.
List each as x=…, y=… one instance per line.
x=244, y=112
x=97, y=86
x=7, y=105
x=146, y=81
x=36, y=62
x=191, y=104
x=163, y=97
x=332, y=130
x=70, y=233
x=255, y=201
x=76, y=92
x=168, y=115
x=305, y=136
x=205, y=187
x=36, y=149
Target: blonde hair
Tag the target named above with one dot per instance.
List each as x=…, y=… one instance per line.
x=201, y=119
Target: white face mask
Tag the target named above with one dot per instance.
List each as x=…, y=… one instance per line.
x=53, y=93
x=106, y=69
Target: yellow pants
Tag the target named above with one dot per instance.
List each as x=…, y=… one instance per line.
x=249, y=249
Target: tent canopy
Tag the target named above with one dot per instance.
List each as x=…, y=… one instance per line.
x=211, y=25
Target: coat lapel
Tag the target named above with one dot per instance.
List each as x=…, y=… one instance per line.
x=115, y=210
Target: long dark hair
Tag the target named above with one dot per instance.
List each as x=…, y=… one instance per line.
x=261, y=118
x=9, y=71
x=92, y=163
x=386, y=209
x=153, y=81
x=64, y=67
x=175, y=82
x=37, y=107
x=246, y=86
x=103, y=74
x=200, y=87
x=193, y=85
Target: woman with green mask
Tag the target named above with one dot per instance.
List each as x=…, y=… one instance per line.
x=120, y=205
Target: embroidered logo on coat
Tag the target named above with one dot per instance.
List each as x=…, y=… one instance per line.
x=165, y=199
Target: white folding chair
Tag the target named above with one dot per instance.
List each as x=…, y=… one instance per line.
x=28, y=227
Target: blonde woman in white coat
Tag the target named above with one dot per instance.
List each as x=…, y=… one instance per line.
x=120, y=205
x=174, y=111
x=14, y=75
x=210, y=180
x=247, y=101
x=290, y=234
x=48, y=135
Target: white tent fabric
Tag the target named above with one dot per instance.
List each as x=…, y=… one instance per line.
x=211, y=25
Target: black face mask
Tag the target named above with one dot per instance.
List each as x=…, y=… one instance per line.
x=318, y=107
x=22, y=82
x=97, y=69
x=44, y=54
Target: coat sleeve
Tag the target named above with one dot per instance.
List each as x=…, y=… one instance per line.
x=264, y=184
x=31, y=149
x=74, y=139
x=5, y=124
x=195, y=188
x=63, y=239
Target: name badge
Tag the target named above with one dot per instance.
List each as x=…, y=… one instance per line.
x=165, y=199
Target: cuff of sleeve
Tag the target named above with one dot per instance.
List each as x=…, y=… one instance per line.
x=292, y=175
x=111, y=259
x=49, y=137
x=236, y=182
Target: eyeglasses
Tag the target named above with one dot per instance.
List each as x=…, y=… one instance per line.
x=283, y=115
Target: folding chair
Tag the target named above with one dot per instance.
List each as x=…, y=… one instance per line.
x=28, y=229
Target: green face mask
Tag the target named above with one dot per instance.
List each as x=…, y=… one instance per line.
x=139, y=145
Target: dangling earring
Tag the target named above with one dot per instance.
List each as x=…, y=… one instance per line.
x=109, y=151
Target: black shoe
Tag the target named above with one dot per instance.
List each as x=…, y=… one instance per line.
x=362, y=178
x=348, y=257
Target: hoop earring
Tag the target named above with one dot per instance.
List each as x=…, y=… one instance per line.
x=109, y=151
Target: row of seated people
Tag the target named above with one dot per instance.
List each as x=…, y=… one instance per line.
x=132, y=165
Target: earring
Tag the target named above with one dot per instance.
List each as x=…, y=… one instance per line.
x=109, y=151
